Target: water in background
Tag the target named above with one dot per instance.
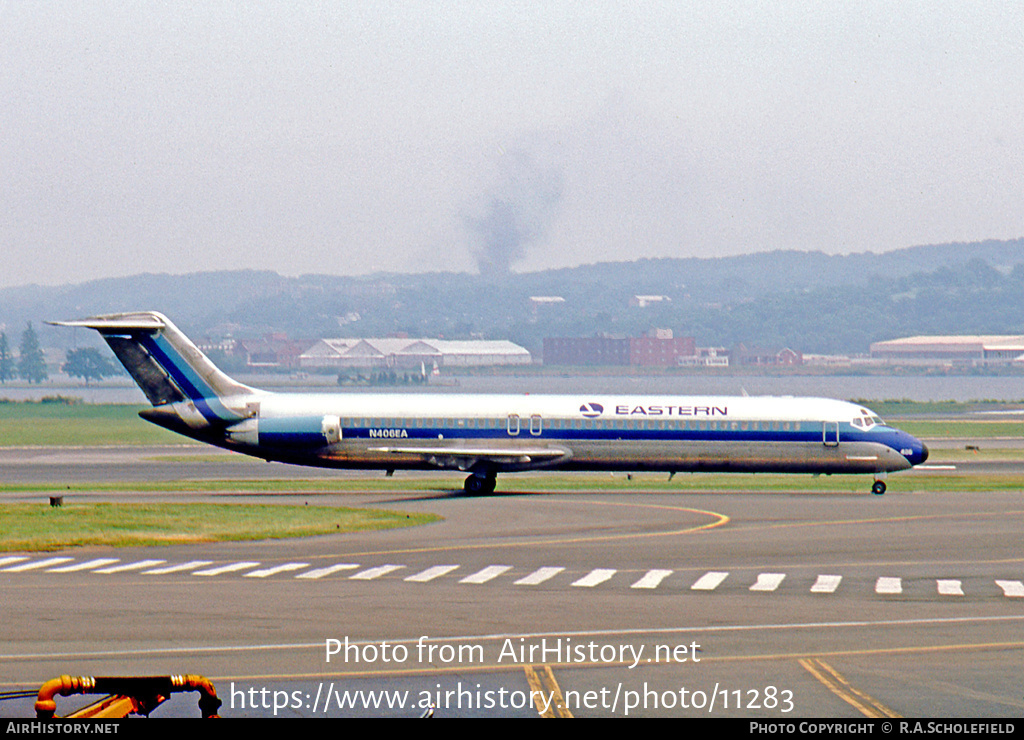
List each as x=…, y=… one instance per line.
x=915, y=388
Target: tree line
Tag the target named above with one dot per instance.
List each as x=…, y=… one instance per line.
x=87, y=363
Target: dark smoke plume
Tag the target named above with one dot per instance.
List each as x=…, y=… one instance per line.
x=518, y=212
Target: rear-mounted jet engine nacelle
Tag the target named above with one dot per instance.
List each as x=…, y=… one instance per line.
x=293, y=431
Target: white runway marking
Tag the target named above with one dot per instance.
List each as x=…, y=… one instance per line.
x=321, y=572
x=36, y=565
x=949, y=587
x=826, y=584
x=285, y=568
x=87, y=565
x=488, y=573
x=191, y=565
x=594, y=577
x=652, y=579
x=138, y=565
x=538, y=576
x=431, y=573
x=230, y=568
x=886, y=585
x=1013, y=589
x=768, y=581
x=371, y=573
x=709, y=581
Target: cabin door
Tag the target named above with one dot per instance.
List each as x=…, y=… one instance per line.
x=830, y=433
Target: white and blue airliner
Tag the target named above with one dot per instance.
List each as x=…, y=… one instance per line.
x=484, y=435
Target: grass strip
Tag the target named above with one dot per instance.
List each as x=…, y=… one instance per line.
x=69, y=425
x=40, y=527
x=960, y=428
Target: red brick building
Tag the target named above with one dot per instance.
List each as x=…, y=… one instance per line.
x=660, y=349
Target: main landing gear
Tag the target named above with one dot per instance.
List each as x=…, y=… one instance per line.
x=480, y=485
x=878, y=488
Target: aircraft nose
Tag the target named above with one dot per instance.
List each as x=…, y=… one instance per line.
x=913, y=450
x=918, y=451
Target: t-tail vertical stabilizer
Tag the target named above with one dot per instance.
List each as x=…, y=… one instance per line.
x=189, y=393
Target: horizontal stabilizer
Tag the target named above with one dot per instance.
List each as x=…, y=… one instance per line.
x=113, y=323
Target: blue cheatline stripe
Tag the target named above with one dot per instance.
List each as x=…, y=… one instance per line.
x=185, y=377
x=393, y=434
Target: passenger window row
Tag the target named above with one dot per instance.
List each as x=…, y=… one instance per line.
x=512, y=424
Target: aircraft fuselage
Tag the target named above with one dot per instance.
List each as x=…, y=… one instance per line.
x=504, y=433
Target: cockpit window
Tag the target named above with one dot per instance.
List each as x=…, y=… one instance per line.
x=866, y=421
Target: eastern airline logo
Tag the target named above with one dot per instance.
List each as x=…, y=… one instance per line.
x=591, y=410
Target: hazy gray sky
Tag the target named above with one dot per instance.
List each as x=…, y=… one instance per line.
x=352, y=137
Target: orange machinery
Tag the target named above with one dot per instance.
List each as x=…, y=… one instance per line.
x=126, y=695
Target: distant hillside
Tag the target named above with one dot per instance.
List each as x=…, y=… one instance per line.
x=807, y=300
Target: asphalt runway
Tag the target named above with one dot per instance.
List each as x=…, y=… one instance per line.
x=780, y=605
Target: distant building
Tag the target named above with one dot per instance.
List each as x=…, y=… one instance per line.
x=643, y=301
x=223, y=346
x=391, y=352
x=828, y=360
x=538, y=301
x=659, y=349
x=950, y=350
x=273, y=350
x=706, y=357
x=761, y=357
x=586, y=351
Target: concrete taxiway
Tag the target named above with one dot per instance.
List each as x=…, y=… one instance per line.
x=776, y=605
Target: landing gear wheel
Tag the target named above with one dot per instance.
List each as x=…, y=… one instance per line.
x=878, y=488
x=480, y=485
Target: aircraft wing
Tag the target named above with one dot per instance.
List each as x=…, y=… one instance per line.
x=464, y=458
